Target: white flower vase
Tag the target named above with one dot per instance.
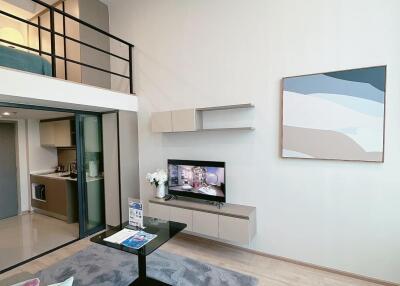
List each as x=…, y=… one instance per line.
x=160, y=191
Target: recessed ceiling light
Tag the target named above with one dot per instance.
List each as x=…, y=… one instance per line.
x=6, y=113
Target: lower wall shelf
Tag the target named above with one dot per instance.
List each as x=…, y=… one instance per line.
x=249, y=128
x=235, y=223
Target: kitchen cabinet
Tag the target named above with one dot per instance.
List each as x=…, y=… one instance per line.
x=61, y=198
x=63, y=136
x=56, y=133
x=47, y=134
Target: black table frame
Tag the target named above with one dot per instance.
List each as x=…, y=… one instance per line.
x=143, y=279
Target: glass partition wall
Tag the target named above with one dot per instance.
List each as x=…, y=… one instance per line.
x=90, y=174
x=57, y=205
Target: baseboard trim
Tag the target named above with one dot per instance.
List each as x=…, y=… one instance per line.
x=50, y=214
x=297, y=262
x=37, y=256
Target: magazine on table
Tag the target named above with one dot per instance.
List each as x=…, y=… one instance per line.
x=138, y=240
x=131, y=238
x=135, y=213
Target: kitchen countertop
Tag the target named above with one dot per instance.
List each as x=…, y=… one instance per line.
x=59, y=176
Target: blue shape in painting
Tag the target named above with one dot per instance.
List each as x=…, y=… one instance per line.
x=375, y=76
x=341, y=83
x=336, y=115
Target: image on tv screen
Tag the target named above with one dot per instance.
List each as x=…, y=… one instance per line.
x=197, y=179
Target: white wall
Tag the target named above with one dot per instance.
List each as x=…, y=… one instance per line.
x=129, y=163
x=111, y=174
x=128, y=132
x=342, y=215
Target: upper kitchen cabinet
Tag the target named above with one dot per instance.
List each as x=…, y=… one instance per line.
x=47, y=134
x=57, y=133
x=63, y=130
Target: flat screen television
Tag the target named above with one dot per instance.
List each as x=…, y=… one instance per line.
x=197, y=179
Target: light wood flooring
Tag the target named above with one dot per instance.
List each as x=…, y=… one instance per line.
x=269, y=271
x=28, y=235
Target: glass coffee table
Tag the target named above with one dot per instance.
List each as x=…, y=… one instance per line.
x=165, y=230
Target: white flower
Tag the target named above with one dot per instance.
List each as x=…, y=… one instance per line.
x=159, y=177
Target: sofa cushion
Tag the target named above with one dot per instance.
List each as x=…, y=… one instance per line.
x=30, y=282
x=67, y=282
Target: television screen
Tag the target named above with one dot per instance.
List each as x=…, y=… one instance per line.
x=197, y=179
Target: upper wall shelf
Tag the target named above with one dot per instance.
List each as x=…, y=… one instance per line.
x=224, y=107
x=192, y=120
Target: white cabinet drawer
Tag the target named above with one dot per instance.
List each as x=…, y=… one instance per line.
x=159, y=211
x=161, y=121
x=205, y=223
x=182, y=216
x=184, y=120
x=234, y=229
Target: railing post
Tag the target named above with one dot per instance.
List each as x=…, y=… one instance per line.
x=65, y=44
x=53, y=43
x=130, y=69
x=39, y=37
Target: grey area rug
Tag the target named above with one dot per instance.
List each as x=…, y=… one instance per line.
x=104, y=266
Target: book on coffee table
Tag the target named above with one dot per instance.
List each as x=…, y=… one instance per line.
x=138, y=240
x=121, y=236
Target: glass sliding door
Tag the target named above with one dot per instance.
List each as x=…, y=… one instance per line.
x=90, y=174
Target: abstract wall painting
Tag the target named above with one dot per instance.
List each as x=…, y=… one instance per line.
x=335, y=115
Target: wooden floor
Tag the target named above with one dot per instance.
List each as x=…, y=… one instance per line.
x=28, y=235
x=269, y=271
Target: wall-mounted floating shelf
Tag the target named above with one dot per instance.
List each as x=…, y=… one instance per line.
x=224, y=107
x=195, y=119
x=228, y=128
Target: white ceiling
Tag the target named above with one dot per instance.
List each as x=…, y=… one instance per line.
x=23, y=8
x=19, y=113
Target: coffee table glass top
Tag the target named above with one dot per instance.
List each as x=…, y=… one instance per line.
x=164, y=230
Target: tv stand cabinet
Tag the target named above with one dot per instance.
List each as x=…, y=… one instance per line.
x=231, y=222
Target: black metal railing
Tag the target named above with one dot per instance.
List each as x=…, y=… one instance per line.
x=53, y=33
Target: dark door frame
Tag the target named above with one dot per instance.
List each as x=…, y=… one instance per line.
x=79, y=146
x=16, y=157
x=82, y=186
